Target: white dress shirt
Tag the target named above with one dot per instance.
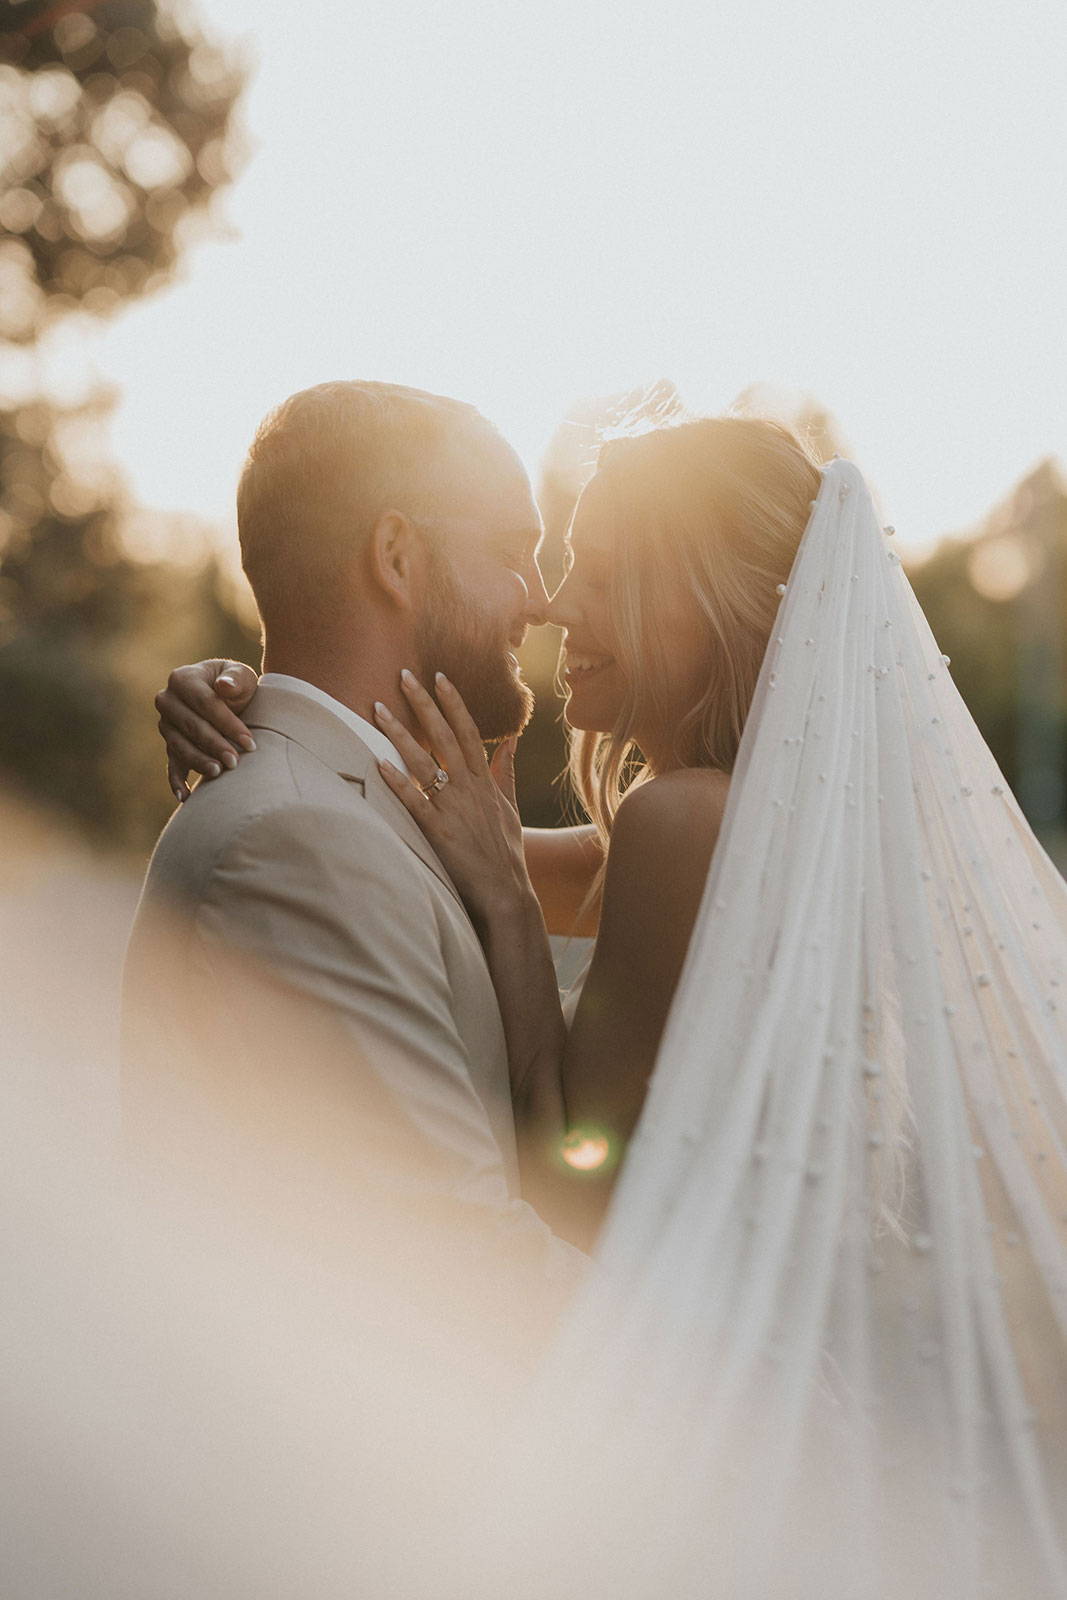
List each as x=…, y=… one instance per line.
x=372, y=737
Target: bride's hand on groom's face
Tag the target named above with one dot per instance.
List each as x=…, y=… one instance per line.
x=469, y=814
x=198, y=719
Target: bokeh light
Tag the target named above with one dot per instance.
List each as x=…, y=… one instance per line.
x=115, y=128
x=587, y=1149
x=1000, y=568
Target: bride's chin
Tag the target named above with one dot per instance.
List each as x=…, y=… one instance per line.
x=577, y=723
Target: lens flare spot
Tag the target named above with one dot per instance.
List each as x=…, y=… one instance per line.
x=585, y=1150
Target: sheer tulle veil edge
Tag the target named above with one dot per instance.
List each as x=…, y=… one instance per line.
x=824, y=1347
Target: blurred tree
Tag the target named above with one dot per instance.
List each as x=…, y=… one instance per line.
x=88, y=631
x=116, y=130
x=997, y=603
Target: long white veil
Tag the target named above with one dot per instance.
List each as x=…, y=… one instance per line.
x=824, y=1350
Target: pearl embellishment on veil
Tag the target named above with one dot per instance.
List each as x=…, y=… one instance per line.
x=884, y=1014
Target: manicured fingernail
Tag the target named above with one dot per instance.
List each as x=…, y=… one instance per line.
x=247, y=742
x=387, y=766
x=381, y=710
x=225, y=683
x=228, y=759
x=408, y=677
x=441, y=681
x=179, y=797
x=213, y=770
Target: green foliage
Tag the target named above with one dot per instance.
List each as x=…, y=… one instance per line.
x=116, y=130
x=115, y=126
x=88, y=633
x=997, y=604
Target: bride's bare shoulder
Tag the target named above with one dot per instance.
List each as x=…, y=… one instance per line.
x=670, y=822
x=661, y=847
x=689, y=797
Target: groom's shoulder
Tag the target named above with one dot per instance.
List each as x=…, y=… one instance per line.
x=279, y=802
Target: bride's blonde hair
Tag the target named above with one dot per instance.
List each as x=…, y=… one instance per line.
x=717, y=507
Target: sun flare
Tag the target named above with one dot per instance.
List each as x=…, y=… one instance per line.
x=586, y=1151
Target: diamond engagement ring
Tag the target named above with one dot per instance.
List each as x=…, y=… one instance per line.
x=438, y=781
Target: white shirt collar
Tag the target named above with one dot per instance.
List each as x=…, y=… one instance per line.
x=372, y=737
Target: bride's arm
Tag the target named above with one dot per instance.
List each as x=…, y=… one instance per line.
x=199, y=719
x=563, y=864
x=473, y=824
x=661, y=849
x=200, y=724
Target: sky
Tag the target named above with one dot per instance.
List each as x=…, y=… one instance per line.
x=526, y=204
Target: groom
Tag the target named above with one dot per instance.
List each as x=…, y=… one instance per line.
x=304, y=991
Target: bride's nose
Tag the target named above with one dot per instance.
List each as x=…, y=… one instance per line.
x=535, y=611
x=560, y=609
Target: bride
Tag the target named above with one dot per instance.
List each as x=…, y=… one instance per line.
x=819, y=1056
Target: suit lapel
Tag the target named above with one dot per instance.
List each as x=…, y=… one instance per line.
x=339, y=747
x=381, y=798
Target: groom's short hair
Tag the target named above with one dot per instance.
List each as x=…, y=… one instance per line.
x=329, y=460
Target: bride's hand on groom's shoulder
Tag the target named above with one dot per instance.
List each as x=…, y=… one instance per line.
x=464, y=804
x=199, y=721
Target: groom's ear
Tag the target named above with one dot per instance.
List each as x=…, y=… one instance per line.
x=396, y=555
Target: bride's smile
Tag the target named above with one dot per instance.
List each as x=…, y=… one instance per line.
x=594, y=686
x=590, y=671
x=580, y=666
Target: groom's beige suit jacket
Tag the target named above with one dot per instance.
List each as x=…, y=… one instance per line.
x=305, y=993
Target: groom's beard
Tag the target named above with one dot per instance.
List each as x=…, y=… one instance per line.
x=458, y=641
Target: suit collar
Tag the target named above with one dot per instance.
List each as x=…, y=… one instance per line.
x=332, y=741
x=372, y=736
x=296, y=716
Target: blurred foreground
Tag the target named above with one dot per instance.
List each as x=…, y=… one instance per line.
x=234, y=1381
x=241, y=1381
